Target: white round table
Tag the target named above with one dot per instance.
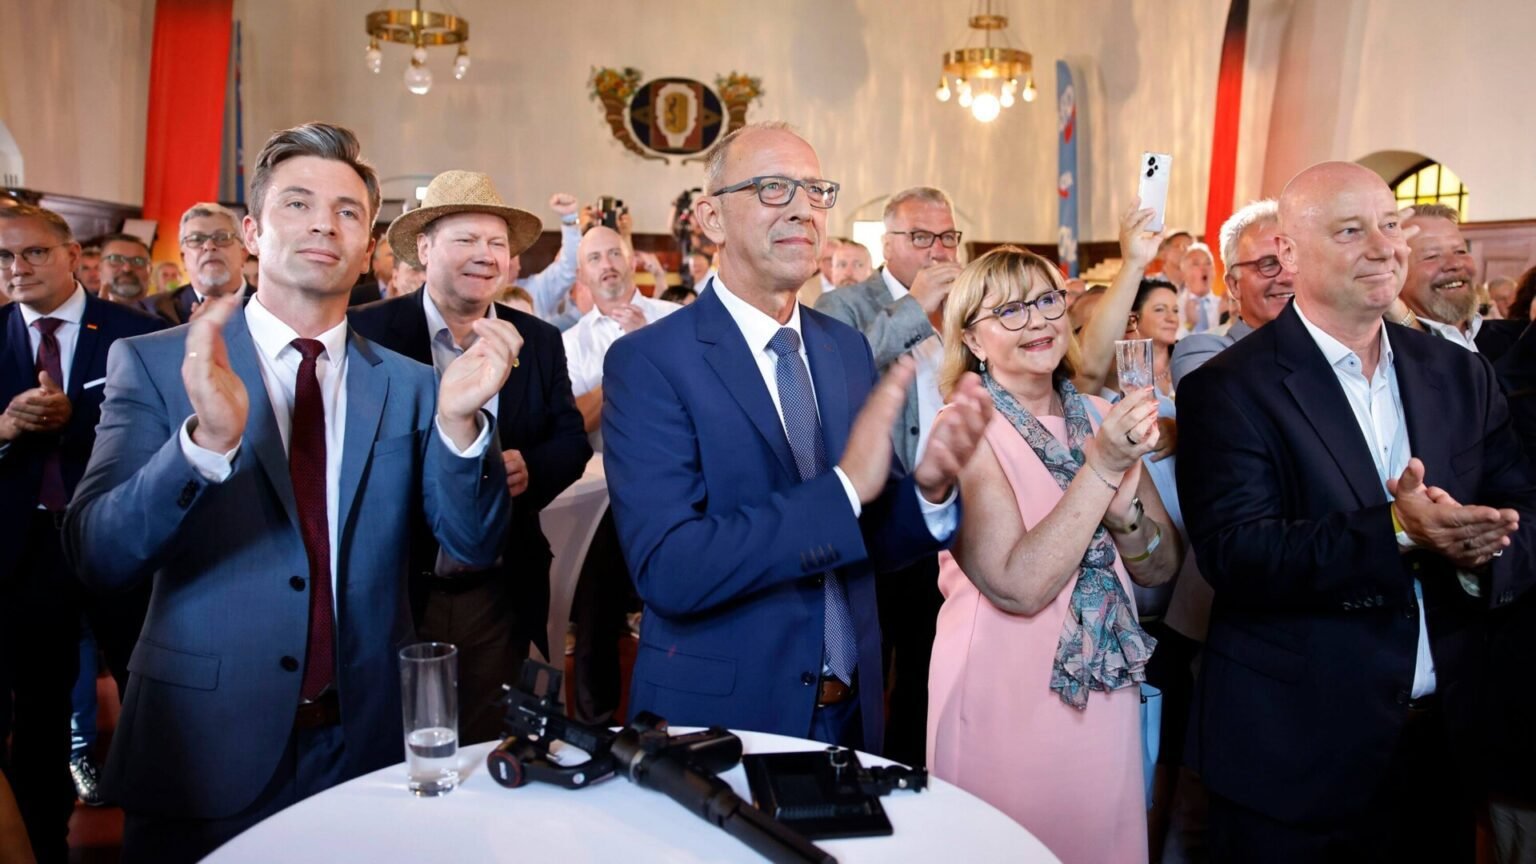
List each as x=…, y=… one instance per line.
x=374, y=818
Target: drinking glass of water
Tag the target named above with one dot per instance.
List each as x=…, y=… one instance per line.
x=429, y=693
x=1133, y=362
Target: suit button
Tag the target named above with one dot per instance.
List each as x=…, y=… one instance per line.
x=289, y=664
x=818, y=580
x=1414, y=566
x=1349, y=605
x=807, y=678
x=296, y=583
x=1411, y=610
x=912, y=430
x=188, y=492
x=1402, y=697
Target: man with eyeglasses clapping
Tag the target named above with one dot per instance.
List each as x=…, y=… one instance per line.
x=894, y=309
x=213, y=254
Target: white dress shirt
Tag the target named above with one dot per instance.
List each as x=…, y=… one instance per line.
x=1378, y=408
x=1212, y=305
x=587, y=343
x=444, y=350
x=929, y=355
x=1452, y=333
x=68, y=333
x=758, y=329
x=279, y=362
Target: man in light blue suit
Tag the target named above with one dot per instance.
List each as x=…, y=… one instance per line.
x=267, y=485
x=753, y=498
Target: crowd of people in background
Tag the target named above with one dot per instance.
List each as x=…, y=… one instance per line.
x=909, y=508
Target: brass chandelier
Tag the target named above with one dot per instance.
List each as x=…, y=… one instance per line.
x=987, y=78
x=418, y=29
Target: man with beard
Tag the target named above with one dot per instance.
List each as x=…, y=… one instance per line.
x=214, y=255
x=124, y=269
x=851, y=264
x=1441, y=287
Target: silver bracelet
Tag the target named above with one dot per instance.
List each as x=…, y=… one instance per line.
x=1101, y=477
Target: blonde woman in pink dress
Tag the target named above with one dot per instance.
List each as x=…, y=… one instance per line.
x=1034, y=698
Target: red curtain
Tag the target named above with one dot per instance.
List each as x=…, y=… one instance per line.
x=1229, y=103
x=188, y=68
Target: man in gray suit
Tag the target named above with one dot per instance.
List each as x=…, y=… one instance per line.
x=263, y=466
x=1253, y=276
x=894, y=309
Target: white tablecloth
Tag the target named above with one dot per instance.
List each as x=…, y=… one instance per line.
x=374, y=818
x=569, y=523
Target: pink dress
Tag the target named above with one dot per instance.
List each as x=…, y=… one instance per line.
x=995, y=728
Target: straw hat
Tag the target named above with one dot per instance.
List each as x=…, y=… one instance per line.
x=461, y=192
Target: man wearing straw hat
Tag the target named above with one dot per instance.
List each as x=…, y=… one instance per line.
x=463, y=235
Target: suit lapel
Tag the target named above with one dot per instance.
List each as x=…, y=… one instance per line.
x=408, y=328
x=1419, y=384
x=367, y=389
x=831, y=383
x=87, y=343
x=1316, y=389
x=18, y=353
x=510, y=401
x=261, y=433
x=732, y=360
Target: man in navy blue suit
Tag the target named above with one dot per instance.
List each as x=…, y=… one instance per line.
x=754, y=500
x=1360, y=503
x=264, y=466
x=54, y=338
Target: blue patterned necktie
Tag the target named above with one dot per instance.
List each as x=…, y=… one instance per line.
x=1202, y=317
x=798, y=402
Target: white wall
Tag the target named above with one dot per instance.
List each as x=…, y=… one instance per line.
x=1450, y=80
x=74, y=91
x=1346, y=78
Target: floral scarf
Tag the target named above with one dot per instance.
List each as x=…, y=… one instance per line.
x=1102, y=646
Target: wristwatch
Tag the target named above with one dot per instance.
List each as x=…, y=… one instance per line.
x=1130, y=527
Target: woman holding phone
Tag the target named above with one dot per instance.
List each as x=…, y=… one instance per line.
x=1034, y=703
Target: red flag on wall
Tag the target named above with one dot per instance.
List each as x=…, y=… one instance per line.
x=187, y=82
x=1229, y=104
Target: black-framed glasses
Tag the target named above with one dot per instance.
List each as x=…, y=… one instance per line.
x=37, y=256
x=119, y=260
x=1014, y=315
x=775, y=191
x=220, y=239
x=1268, y=266
x=924, y=239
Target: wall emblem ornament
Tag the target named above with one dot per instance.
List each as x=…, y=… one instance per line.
x=671, y=116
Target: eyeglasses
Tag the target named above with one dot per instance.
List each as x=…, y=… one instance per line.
x=776, y=191
x=37, y=256
x=219, y=238
x=1015, y=315
x=1268, y=266
x=119, y=260
x=924, y=239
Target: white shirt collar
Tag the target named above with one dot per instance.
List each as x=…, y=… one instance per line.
x=1334, y=351
x=436, y=324
x=893, y=284
x=756, y=326
x=273, y=336
x=70, y=311
x=1451, y=331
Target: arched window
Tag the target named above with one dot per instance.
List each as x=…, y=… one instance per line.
x=1429, y=182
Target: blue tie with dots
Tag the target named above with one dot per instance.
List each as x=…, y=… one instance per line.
x=798, y=402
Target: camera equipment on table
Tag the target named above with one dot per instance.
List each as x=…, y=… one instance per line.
x=683, y=767
x=608, y=209
x=828, y=793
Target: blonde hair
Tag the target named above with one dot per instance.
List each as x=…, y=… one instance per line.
x=1008, y=273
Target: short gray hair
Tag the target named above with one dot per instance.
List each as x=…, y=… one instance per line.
x=1256, y=213
x=205, y=209
x=321, y=140
x=714, y=161
x=1437, y=210
x=925, y=194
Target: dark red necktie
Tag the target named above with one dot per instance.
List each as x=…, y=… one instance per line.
x=306, y=468
x=51, y=494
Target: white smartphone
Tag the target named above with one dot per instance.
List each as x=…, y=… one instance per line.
x=1152, y=186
